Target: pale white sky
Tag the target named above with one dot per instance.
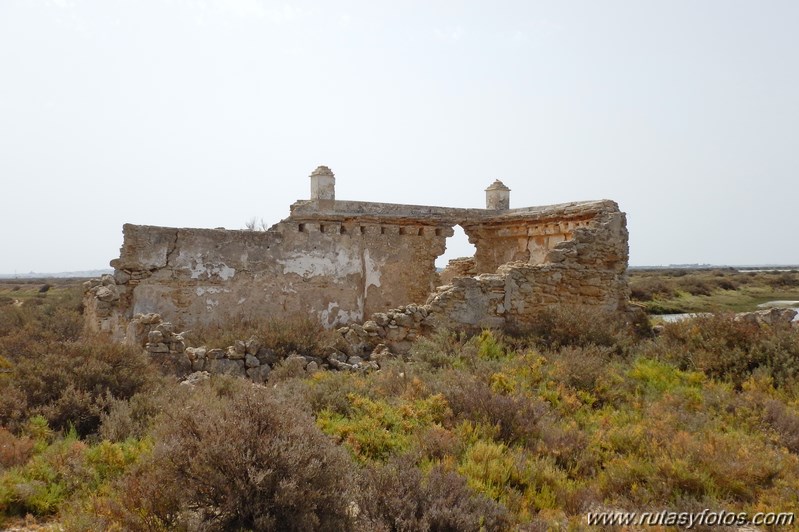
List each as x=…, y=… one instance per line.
x=208, y=113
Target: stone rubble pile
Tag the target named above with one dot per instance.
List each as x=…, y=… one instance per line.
x=354, y=351
x=104, y=291
x=768, y=317
x=393, y=331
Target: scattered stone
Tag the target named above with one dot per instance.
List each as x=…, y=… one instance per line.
x=338, y=355
x=404, y=320
x=771, y=316
x=267, y=356
x=380, y=319
x=150, y=319
x=235, y=354
x=253, y=345
x=121, y=277
x=195, y=378
x=225, y=366
x=107, y=294
x=215, y=353
x=157, y=348
x=165, y=328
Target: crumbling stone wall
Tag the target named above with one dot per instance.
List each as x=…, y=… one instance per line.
x=587, y=270
x=337, y=270
x=349, y=263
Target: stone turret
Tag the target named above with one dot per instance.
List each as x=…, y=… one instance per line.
x=323, y=184
x=498, y=196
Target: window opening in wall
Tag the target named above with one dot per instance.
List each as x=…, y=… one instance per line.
x=457, y=246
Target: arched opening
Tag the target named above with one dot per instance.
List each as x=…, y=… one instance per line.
x=458, y=246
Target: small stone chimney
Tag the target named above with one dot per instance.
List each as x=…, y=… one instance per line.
x=498, y=196
x=323, y=184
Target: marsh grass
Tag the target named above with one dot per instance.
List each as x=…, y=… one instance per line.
x=484, y=431
x=716, y=290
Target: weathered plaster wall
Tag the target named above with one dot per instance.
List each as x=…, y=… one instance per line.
x=586, y=271
x=338, y=271
x=344, y=262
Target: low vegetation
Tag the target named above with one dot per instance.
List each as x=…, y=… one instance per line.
x=672, y=291
x=483, y=432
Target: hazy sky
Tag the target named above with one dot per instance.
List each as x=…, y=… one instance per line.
x=208, y=113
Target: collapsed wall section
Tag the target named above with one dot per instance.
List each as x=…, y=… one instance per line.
x=584, y=268
x=345, y=262
x=586, y=271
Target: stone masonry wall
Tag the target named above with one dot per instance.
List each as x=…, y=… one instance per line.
x=350, y=263
x=338, y=272
x=587, y=271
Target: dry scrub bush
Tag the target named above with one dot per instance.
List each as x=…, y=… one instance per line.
x=398, y=497
x=785, y=422
x=783, y=280
x=647, y=289
x=727, y=348
x=236, y=457
x=330, y=390
x=288, y=368
x=555, y=327
x=294, y=334
x=14, y=450
x=440, y=349
x=696, y=287
x=580, y=366
x=516, y=417
x=72, y=383
x=23, y=330
x=134, y=417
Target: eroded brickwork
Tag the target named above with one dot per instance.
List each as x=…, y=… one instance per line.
x=347, y=262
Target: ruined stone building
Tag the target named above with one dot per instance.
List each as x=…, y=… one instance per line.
x=345, y=262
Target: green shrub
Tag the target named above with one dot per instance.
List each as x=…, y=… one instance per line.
x=66, y=468
x=490, y=346
x=374, y=430
x=440, y=349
